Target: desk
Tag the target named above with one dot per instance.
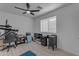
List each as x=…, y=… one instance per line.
x=44, y=41
x=20, y=41
x=37, y=36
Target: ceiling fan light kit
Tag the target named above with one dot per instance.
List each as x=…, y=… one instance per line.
x=28, y=12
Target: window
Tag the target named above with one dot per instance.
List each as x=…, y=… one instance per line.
x=44, y=26
x=48, y=25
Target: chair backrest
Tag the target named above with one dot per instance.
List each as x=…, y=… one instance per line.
x=28, y=33
x=10, y=37
x=29, y=38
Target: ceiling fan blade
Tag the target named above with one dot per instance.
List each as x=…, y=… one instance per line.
x=28, y=5
x=24, y=13
x=9, y=29
x=20, y=8
x=32, y=13
x=2, y=25
x=6, y=21
x=34, y=10
x=5, y=26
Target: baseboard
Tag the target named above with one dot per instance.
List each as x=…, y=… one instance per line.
x=66, y=52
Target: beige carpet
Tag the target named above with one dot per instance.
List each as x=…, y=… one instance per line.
x=36, y=48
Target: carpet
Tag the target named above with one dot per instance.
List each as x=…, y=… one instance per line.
x=28, y=53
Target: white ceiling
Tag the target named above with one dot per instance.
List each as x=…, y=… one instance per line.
x=47, y=7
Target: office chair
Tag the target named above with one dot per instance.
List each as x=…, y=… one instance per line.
x=10, y=38
x=29, y=38
x=52, y=41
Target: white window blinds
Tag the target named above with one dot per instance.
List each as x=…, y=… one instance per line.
x=48, y=25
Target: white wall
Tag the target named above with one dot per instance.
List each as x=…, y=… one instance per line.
x=67, y=27
x=24, y=24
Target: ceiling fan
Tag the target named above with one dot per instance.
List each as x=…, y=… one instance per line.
x=6, y=25
x=27, y=10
